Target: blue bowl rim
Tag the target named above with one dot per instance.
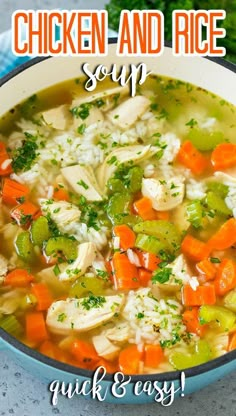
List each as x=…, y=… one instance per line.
x=167, y=376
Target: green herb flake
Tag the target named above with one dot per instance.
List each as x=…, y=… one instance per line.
x=112, y=161
x=56, y=270
x=81, y=129
x=162, y=276
x=140, y=315
x=215, y=260
x=24, y=156
x=83, y=184
x=93, y=302
x=61, y=317
x=191, y=123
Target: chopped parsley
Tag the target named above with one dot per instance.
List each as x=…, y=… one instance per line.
x=162, y=276
x=25, y=219
x=215, y=260
x=81, y=128
x=24, y=156
x=81, y=111
x=56, y=270
x=191, y=123
x=61, y=317
x=102, y=274
x=93, y=302
x=99, y=102
x=112, y=161
x=140, y=315
x=83, y=184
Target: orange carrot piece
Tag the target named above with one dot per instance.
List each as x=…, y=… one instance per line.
x=225, y=237
x=153, y=355
x=206, y=269
x=53, y=351
x=18, y=278
x=163, y=215
x=144, y=276
x=232, y=342
x=194, y=248
x=27, y=210
x=203, y=295
x=148, y=260
x=129, y=360
x=43, y=296
x=60, y=194
x=126, y=235
x=85, y=354
x=125, y=274
x=12, y=191
x=35, y=327
x=192, y=323
x=5, y=162
x=190, y=157
x=226, y=277
x=143, y=207
x=109, y=366
x=224, y=156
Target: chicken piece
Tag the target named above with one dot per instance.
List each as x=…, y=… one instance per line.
x=128, y=112
x=119, y=156
x=119, y=333
x=83, y=181
x=57, y=117
x=63, y=213
x=165, y=195
x=86, y=255
x=105, y=348
x=109, y=97
x=79, y=315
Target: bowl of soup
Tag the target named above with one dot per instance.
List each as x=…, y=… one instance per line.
x=118, y=223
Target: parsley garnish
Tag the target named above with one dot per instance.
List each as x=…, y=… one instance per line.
x=61, y=317
x=93, y=302
x=56, y=270
x=162, y=276
x=81, y=128
x=215, y=260
x=191, y=123
x=24, y=156
x=83, y=184
x=140, y=315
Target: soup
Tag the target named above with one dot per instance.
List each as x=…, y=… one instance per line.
x=118, y=225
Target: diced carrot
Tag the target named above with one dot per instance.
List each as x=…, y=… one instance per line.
x=129, y=360
x=203, y=295
x=109, y=366
x=153, y=355
x=192, y=323
x=12, y=191
x=206, y=269
x=226, y=277
x=194, y=248
x=143, y=207
x=125, y=274
x=85, y=354
x=24, y=212
x=60, y=194
x=43, y=296
x=35, y=327
x=163, y=215
x=225, y=237
x=53, y=351
x=18, y=278
x=144, y=276
x=232, y=342
x=148, y=260
x=126, y=235
x=5, y=161
x=224, y=156
x=190, y=157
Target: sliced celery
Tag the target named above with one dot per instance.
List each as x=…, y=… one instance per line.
x=11, y=325
x=118, y=207
x=211, y=313
x=87, y=285
x=195, y=213
x=204, y=140
x=40, y=231
x=216, y=203
x=62, y=244
x=115, y=185
x=149, y=243
x=230, y=300
x=218, y=188
x=164, y=231
x=24, y=247
x=134, y=179
x=201, y=355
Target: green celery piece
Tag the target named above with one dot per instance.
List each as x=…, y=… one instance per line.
x=11, y=325
x=66, y=245
x=195, y=213
x=135, y=177
x=201, y=355
x=24, y=247
x=85, y=286
x=204, y=140
x=218, y=188
x=40, y=231
x=216, y=203
x=165, y=231
x=211, y=313
x=230, y=300
x=115, y=185
x=149, y=243
x=118, y=206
